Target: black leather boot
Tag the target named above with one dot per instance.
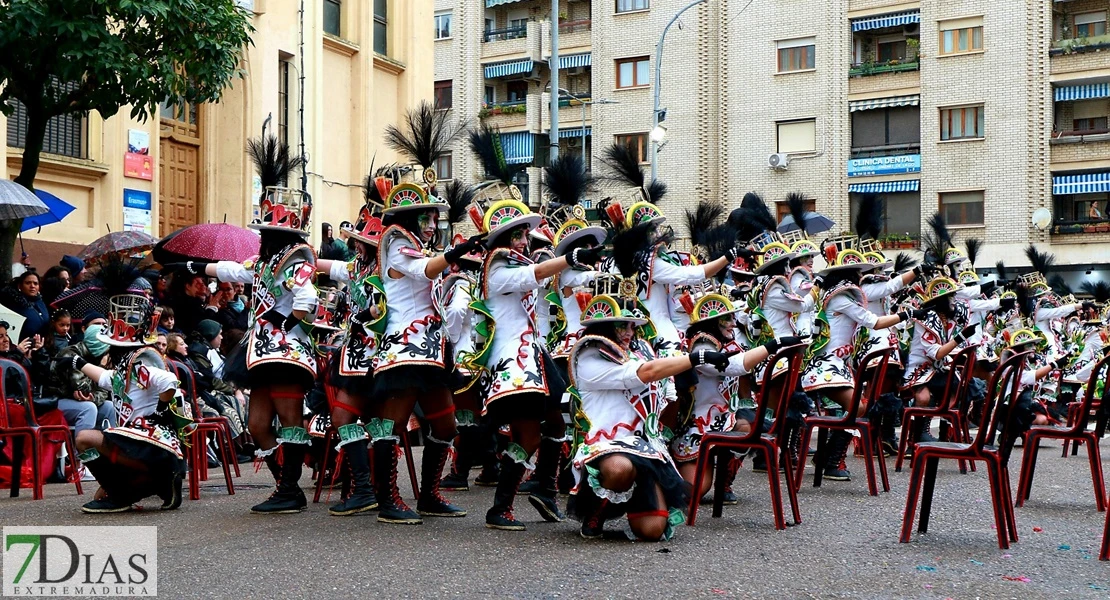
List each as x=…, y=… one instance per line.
x=500, y=515
x=835, y=467
x=543, y=494
x=288, y=497
x=361, y=498
x=431, y=503
x=458, y=480
x=391, y=509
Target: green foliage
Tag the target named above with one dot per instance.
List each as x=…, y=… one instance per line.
x=120, y=52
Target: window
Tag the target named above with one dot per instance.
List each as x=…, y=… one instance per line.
x=445, y=167
x=962, y=208
x=1075, y=208
x=490, y=96
x=959, y=36
x=633, y=72
x=283, y=101
x=796, y=55
x=782, y=208
x=877, y=128
x=797, y=136
x=443, y=25
x=901, y=212
x=517, y=91
x=332, y=16
x=961, y=123
x=1089, y=116
x=637, y=142
x=894, y=49
x=1090, y=125
x=1090, y=24
x=519, y=27
x=381, y=30
x=443, y=94
x=65, y=134
x=632, y=5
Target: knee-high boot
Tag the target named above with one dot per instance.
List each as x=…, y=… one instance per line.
x=513, y=465
x=355, y=445
x=288, y=497
x=543, y=494
x=493, y=444
x=391, y=509
x=431, y=503
x=835, y=467
x=466, y=451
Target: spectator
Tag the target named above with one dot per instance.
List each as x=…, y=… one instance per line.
x=166, y=321
x=24, y=299
x=76, y=268
x=217, y=394
x=93, y=318
x=188, y=298
x=57, y=334
x=232, y=337
x=54, y=282
x=331, y=248
x=160, y=343
x=1094, y=213
x=175, y=347
x=233, y=314
x=209, y=332
x=84, y=404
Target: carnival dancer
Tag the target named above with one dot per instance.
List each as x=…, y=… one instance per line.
x=832, y=355
x=1048, y=312
x=276, y=359
x=721, y=400
x=1077, y=373
x=142, y=456
x=621, y=464
x=350, y=367
x=804, y=251
x=934, y=337
x=412, y=363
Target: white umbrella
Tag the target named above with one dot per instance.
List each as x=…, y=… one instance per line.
x=17, y=202
x=15, y=320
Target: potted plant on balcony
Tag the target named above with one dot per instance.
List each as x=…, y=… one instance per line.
x=1103, y=227
x=913, y=49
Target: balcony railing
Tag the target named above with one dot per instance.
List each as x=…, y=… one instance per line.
x=1090, y=226
x=875, y=68
x=509, y=107
x=906, y=241
x=891, y=150
x=1077, y=45
x=509, y=33
x=573, y=26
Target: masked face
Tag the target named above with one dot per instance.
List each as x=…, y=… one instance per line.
x=806, y=261
x=426, y=223
x=727, y=325
x=625, y=333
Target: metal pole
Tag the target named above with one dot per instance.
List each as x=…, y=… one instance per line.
x=656, y=83
x=583, y=133
x=553, y=134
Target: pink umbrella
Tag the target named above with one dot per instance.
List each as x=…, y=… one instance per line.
x=208, y=241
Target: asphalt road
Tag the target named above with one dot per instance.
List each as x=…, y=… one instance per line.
x=846, y=547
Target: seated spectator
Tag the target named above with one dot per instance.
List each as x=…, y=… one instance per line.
x=28, y=354
x=57, y=334
x=160, y=343
x=167, y=321
x=84, y=404
x=233, y=314
x=93, y=318
x=216, y=393
x=211, y=334
x=188, y=298
x=23, y=298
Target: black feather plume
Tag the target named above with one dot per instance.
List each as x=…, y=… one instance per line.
x=625, y=165
x=1024, y=301
x=566, y=179
x=116, y=274
x=1099, y=290
x=627, y=244
x=486, y=143
x=718, y=239
x=797, y=204
x=272, y=160
x=1041, y=261
x=424, y=135
x=940, y=230
x=903, y=262
x=869, y=219
x=655, y=191
x=701, y=219
x=1058, y=285
x=973, y=246
x=1001, y=268
x=458, y=198
x=752, y=218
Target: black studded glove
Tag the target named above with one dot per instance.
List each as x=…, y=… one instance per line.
x=966, y=332
x=988, y=287
x=1061, y=362
x=78, y=362
x=774, y=346
x=454, y=253
x=708, y=357
x=1007, y=303
x=581, y=258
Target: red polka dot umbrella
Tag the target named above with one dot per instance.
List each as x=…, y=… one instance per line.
x=208, y=241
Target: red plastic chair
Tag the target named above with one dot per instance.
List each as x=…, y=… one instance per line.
x=1076, y=432
x=1003, y=387
x=32, y=431
x=715, y=446
x=869, y=380
x=196, y=453
x=952, y=426
x=1104, y=552
x=1095, y=410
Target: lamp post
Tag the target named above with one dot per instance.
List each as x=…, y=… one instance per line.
x=657, y=131
x=553, y=134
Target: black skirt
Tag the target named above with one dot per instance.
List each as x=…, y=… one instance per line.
x=355, y=385
x=649, y=473
x=124, y=484
x=418, y=378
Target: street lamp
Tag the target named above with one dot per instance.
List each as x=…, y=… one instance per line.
x=584, y=102
x=657, y=131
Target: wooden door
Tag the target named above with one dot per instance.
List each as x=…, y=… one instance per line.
x=179, y=201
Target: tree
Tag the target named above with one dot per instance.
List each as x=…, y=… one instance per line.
x=62, y=57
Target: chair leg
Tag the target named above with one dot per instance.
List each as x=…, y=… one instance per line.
x=1096, y=471
x=231, y=444
x=71, y=450
x=868, y=458
x=880, y=457
x=821, y=457
x=1008, y=501
x=776, y=491
x=1104, y=551
x=927, y=493
x=36, y=472
x=800, y=468
x=917, y=473
x=720, y=481
x=1001, y=523
x=1028, y=466
x=699, y=477
x=791, y=488
x=903, y=443
x=228, y=459
x=411, y=465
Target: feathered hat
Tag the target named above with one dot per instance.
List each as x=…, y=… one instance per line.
x=280, y=208
x=497, y=205
x=938, y=288
x=1036, y=282
x=565, y=183
x=422, y=137
x=869, y=226
x=613, y=301
x=753, y=221
x=707, y=301
x=368, y=228
x=939, y=243
x=132, y=321
x=642, y=198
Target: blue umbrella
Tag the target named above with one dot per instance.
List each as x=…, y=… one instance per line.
x=815, y=223
x=58, y=209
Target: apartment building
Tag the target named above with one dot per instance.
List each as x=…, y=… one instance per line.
x=985, y=110
x=361, y=66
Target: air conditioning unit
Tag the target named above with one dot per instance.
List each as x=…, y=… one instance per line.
x=911, y=28
x=533, y=75
x=778, y=161
x=576, y=71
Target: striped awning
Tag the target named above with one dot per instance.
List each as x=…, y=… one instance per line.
x=573, y=133
x=892, y=20
x=886, y=187
x=1086, y=183
x=874, y=103
x=575, y=60
x=517, y=147
x=1090, y=91
x=504, y=69
x=492, y=3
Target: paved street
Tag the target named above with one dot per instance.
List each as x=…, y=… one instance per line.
x=846, y=547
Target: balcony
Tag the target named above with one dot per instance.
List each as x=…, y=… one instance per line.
x=892, y=66
x=509, y=33
x=506, y=115
x=511, y=42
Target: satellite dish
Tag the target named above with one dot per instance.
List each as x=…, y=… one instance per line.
x=1041, y=218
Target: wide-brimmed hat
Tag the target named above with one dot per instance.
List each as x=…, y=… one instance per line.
x=1022, y=337
x=284, y=209
x=847, y=259
x=643, y=212
x=407, y=195
x=1035, y=283
x=953, y=256
x=132, y=321
x=771, y=248
x=712, y=306
x=368, y=231
x=799, y=243
x=505, y=215
x=570, y=226
x=872, y=250
x=940, y=287
x=969, y=278
x=613, y=300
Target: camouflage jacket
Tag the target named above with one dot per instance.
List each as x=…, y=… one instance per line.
x=64, y=380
